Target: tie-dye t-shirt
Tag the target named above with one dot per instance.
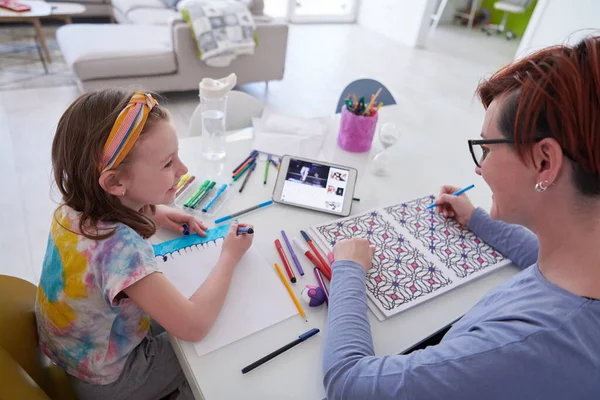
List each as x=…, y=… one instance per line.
x=84, y=325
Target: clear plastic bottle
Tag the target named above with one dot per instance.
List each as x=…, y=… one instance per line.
x=213, y=102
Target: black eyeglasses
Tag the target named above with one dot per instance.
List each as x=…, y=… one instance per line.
x=479, y=149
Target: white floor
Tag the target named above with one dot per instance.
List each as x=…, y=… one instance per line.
x=435, y=83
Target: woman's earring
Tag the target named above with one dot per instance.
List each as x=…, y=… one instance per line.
x=125, y=190
x=541, y=186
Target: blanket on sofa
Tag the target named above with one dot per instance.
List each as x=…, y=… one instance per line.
x=223, y=29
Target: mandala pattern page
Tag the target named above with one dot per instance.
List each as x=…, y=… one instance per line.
x=401, y=275
x=459, y=249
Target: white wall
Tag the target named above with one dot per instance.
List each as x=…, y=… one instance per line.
x=559, y=21
x=404, y=20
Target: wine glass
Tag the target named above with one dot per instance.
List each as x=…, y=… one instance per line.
x=388, y=135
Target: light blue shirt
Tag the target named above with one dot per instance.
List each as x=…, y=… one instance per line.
x=526, y=339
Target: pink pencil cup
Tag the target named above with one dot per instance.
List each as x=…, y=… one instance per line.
x=356, y=131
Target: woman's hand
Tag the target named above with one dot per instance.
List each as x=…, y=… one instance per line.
x=234, y=245
x=459, y=207
x=173, y=219
x=358, y=250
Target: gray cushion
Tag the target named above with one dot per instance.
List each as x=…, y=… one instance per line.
x=100, y=51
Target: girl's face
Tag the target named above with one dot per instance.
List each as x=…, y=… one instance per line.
x=152, y=174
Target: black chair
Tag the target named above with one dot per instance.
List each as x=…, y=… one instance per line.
x=365, y=87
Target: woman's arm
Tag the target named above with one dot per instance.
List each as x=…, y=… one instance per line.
x=515, y=242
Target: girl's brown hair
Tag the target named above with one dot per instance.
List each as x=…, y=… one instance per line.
x=554, y=93
x=77, y=153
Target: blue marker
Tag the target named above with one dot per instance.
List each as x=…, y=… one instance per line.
x=244, y=229
x=214, y=199
x=228, y=217
x=458, y=193
x=186, y=230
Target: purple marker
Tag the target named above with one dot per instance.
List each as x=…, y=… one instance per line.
x=321, y=283
x=289, y=246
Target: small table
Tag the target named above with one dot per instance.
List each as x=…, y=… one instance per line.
x=421, y=169
x=42, y=9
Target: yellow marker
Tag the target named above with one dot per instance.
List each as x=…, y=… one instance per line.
x=182, y=180
x=290, y=291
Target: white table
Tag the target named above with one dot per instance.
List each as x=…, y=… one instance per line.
x=423, y=165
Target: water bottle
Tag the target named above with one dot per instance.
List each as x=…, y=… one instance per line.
x=213, y=102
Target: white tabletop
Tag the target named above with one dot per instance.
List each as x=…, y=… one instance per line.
x=38, y=9
x=424, y=161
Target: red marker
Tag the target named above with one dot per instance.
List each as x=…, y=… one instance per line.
x=321, y=259
x=325, y=271
x=285, y=261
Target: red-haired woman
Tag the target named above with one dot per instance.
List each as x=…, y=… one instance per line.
x=537, y=335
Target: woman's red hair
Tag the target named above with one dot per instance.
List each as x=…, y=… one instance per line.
x=553, y=93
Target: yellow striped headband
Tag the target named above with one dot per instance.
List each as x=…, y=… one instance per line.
x=126, y=130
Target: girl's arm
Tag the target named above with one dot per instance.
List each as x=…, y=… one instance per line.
x=191, y=319
x=187, y=319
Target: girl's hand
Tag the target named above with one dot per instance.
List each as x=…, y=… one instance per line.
x=173, y=219
x=234, y=245
x=459, y=207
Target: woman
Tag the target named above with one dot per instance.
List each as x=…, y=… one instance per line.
x=537, y=335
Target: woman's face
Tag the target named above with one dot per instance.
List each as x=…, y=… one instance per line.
x=511, y=181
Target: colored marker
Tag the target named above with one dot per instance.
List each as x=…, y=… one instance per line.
x=247, y=177
x=228, y=217
x=203, y=195
x=246, y=168
x=244, y=230
x=318, y=254
x=321, y=283
x=277, y=352
x=313, y=259
x=290, y=291
x=185, y=186
x=197, y=193
x=253, y=154
x=214, y=199
x=457, y=193
x=292, y=253
x=330, y=257
x=186, y=230
x=274, y=163
x=267, y=169
x=285, y=261
x=182, y=180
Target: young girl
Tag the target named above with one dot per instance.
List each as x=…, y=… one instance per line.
x=115, y=161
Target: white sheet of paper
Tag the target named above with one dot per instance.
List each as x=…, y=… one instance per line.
x=256, y=298
x=280, y=134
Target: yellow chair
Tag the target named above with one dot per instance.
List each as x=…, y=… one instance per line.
x=25, y=372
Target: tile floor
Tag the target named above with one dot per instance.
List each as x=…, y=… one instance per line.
x=434, y=86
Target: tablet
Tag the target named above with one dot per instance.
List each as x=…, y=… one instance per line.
x=315, y=185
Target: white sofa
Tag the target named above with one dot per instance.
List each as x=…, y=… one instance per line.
x=153, y=48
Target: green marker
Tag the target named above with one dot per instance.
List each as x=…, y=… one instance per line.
x=203, y=195
x=197, y=193
x=267, y=170
x=235, y=178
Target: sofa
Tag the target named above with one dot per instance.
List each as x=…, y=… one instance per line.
x=152, y=48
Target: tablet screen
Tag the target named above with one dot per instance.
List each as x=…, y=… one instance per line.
x=315, y=185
